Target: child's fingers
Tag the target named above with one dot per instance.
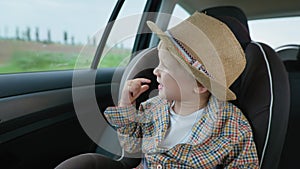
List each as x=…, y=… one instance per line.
x=142, y=90
x=135, y=85
x=142, y=80
x=133, y=89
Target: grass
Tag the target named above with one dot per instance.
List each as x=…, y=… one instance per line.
x=115, y=59
x=32, y=61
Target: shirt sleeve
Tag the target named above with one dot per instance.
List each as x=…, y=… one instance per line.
x=120, y=116
x=130, y=124
x=243, y=153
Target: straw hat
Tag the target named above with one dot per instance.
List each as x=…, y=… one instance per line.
x=208, y=50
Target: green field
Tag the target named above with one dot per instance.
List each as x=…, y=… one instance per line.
x=31, y=56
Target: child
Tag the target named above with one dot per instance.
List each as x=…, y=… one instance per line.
x=189, y=124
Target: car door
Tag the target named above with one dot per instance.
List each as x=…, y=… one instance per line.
x=42, y=77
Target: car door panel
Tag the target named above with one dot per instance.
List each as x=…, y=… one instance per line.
x=39, y=127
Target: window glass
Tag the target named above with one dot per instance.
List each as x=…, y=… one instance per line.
x=179, y=14
x=47, y=35
x=42, y=35
x=276, y=32
x=121, y=39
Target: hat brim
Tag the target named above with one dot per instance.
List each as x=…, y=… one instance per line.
x=217, y=89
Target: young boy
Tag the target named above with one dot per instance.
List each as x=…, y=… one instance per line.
x=189, y=124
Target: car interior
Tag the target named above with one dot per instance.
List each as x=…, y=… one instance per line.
x=290, y=57
x=39, y=121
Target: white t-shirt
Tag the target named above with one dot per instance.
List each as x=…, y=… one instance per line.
x=180, y=128
x=179, y=131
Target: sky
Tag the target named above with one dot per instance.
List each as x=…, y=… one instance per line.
x=83, y=18
x=80, y=18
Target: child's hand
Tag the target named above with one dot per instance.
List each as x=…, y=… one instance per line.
x=132, y=90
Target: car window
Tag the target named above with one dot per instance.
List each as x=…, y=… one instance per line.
x=276, y=32
x=178, y=15
x=170, y=20
x=121, y=39
x=47, y=35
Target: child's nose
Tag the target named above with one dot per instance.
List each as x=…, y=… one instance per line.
x=156, y=72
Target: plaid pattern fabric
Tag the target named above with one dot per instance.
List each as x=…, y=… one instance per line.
x=222, y=136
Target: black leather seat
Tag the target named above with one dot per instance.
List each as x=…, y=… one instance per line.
x=288, y=52
x=291, y=56
x=267, y=114
x=262, y=90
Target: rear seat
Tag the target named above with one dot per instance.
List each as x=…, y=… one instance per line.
x=290, y=54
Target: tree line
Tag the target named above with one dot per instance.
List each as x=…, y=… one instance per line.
x=33, y=35
x=27, y=35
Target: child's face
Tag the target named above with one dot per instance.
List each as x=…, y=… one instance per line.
x=174, y=81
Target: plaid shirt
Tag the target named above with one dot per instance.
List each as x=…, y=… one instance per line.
x=222, y=136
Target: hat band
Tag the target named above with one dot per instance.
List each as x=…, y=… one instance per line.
x=187, y=56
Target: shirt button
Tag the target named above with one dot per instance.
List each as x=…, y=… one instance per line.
x=159, y=166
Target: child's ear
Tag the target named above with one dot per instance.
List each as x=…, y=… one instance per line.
x=200, y=89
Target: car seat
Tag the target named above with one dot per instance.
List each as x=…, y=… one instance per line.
x=290, y=54
x=262, y=90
